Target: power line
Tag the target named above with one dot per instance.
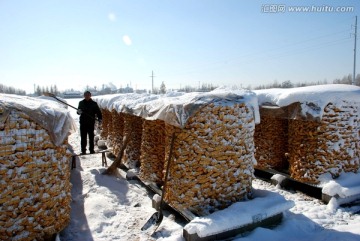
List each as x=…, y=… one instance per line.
x=194, y=69
x=355, y=36
x=316, y=47
x=152, y=82
x=267, y=56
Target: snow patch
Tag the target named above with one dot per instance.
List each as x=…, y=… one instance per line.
x=264, y=205
x=343, y=186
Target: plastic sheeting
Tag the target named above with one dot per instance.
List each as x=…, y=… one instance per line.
x=295, y=111
x=305, y=103
x=50, y=115
x=175, y=108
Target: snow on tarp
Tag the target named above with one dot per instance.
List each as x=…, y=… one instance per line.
x=106, y=101
x=44, y=97
x=265, y=204
x=175, y=108
x=313, y=99
x=50, y=115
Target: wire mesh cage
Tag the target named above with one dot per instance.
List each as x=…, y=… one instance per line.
x=35, y=179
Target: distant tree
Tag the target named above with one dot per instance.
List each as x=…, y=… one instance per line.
x=189, y=88
x=275, y=84
x=38, y=90
x=11, y=90
x=162, y=88
x=56, y=91
x=300, y=84
x=156, y=91
x=336, y=81
x=287, y=84
x=347, y=79
x=357, y=80
x=259, y=87
x=207, y=87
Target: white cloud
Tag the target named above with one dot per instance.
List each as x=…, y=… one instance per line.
x=127, y=40
x=112, y=17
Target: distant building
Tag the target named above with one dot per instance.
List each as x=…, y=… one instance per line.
x=126, y=90
x=72, y=94
x=141, y=91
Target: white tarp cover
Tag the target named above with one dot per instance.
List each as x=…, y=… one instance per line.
x=176, y=108
x=312, y=99
x=50, y=115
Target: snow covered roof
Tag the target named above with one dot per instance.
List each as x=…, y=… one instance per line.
x=176, y=108
x=313, y=99
x=50, y=115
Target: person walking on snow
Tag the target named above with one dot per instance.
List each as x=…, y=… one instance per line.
x=87, y=110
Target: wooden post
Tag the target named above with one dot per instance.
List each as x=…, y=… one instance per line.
x=73, y=162
x=103, y=158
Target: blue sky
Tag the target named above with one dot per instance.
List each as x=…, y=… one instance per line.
x=222, y=42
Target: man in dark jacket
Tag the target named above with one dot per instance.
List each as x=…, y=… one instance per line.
x=87, y=110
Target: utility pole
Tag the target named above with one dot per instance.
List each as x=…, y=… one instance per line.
x=152, y=82
x=355, y=36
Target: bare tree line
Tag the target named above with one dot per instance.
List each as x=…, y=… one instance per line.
x=39, y=90
x=52, y=89
x=11, y=90
x=347, y=79
x=203, y=88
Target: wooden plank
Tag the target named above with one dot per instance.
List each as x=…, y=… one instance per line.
x=227, y=234
x=73, y=162
x=103, y=157
x=342, y=201
x=306, y=188
x=86, y=154
x=185, y=213
x=290, y=183
x=155, y=188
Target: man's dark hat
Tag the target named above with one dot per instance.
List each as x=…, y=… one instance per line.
x=87, y=92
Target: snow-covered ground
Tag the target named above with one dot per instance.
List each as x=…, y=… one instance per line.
x=110, y=208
